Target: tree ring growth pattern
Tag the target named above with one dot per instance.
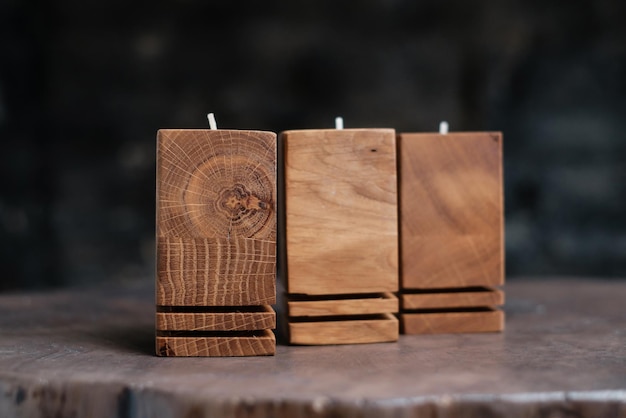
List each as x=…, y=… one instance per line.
x=218, y=188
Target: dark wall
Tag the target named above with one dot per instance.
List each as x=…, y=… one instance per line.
x=84, y=85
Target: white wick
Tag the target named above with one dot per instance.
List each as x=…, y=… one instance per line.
x=443, y=127
x=212, y=122
x=338, y=122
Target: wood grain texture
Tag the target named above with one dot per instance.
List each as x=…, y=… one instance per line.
x=263, y=344
x=341, y=211
x=490, y=298
x=384, y=328
x=452, y=322
x=451, y=210
x=216, y=184
x=215, y=272
x=216, y=238
x=385, y=303
x=216, y=321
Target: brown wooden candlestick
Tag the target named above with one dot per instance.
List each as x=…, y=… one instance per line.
x=216, y=242
x=341, y=235
x=451, y=232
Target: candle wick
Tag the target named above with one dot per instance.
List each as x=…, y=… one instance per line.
x=443, y=127
x=338, y=122
x=212, y=122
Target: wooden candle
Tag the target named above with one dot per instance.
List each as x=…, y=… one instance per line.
x=341, y=235
x=451, y=229
x=216, y=242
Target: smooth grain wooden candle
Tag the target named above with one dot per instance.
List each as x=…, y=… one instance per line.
x=216, y=242
x=451, y=229
x=341, y=235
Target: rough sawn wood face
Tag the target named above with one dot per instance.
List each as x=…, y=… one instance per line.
x=216, y=241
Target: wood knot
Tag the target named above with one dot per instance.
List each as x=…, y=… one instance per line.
x=237, y=202
x=166, y=351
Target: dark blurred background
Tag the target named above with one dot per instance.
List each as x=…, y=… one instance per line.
x=84, y=85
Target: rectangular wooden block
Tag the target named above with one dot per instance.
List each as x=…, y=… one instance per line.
x=451, y=210
x=258, y=343
x=452, y=322
x=242, y=320
x=341, y=235
x=216, y=242
x=346, y=330
x=356, y=305
x=451, y=229
x=341, y=211
x=451, y=300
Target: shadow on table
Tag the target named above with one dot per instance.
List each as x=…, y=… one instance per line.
x=131, y=338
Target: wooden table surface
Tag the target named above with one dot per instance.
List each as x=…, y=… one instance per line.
x=90, y=353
